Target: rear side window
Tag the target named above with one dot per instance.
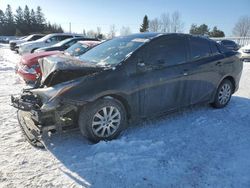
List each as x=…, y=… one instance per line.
x=227, y=42
x=63, y=37
x=214, y=48
x=36, y=37
x=199, y=48
x=170, y=50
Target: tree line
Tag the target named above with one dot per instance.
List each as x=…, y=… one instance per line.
x=25, y=21
x=165, y=23
x=173, y=24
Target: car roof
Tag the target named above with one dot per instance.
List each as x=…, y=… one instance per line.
x=151, y=35
x=89, y=42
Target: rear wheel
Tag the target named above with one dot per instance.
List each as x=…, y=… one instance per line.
x=102, y=120
x=223, y=94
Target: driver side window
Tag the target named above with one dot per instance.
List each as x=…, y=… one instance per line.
x=167, y=50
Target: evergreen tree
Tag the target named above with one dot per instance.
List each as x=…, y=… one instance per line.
x=19, y=21
x=216, y=33
x=199, y=30
x=40, y=19
x=27, y=20
x=33, y=21
x=10, y=25
x=2, y=22
x=145, y=25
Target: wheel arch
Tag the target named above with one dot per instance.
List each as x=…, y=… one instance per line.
x=32, y=51
x=121, y=99
x=231, y=79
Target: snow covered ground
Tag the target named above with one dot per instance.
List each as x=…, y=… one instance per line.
x=198, y=147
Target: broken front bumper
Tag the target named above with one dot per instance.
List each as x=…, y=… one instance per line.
x=32, y=132
x=34, y=123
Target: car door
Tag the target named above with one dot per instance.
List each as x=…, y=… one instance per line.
x=201, y=71
x=160, y=74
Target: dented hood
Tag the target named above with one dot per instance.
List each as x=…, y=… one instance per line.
x=60, y=68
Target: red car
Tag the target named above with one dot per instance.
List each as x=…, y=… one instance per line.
x=29, y=68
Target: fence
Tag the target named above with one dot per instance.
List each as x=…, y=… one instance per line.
x=242, y=41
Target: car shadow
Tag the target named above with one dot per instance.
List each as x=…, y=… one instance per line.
x=176, y=150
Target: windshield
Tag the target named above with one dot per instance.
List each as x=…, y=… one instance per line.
x=46, y=37
x=28, y=37
x=113, y=51
x=77, y=49
x=62, y=42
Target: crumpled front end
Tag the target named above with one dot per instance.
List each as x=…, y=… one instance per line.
x=42, y=110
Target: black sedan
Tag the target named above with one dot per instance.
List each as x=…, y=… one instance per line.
x=231, y=45
x=126, y=79
x=63, y=45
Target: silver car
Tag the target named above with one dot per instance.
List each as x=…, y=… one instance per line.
x=48, y=40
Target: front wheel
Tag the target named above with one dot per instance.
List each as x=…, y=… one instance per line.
x=223, y=94
x=102, y=120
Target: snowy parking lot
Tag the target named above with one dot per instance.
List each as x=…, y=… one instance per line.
x=198, y=147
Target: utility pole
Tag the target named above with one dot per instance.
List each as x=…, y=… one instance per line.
x=69, y=27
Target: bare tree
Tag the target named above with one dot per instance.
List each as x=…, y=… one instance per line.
x=165, y=23
x=154, y=25
x=98, y=31
x=176, y=23
x=125, y=31
x=112, y=31
x=242, y=27
x=91, y=34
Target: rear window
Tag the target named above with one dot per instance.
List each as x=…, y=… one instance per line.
x=199, y=48
x=227, y=42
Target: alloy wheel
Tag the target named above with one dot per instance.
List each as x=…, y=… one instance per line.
x=224, y=94
x=106, y=121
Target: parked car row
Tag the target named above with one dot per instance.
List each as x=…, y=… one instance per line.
x=244, y=51
x=14, y=44
x=29, y=68
x=124, y=80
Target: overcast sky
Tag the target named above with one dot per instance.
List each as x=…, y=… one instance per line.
x=88, y=14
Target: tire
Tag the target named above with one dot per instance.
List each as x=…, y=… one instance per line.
x=95, y=126
x=223, y=94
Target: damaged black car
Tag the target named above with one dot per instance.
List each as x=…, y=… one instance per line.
x=124, y=80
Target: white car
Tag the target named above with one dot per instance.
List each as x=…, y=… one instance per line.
x=15, y=43
x=245, y=52
x=48, y=40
